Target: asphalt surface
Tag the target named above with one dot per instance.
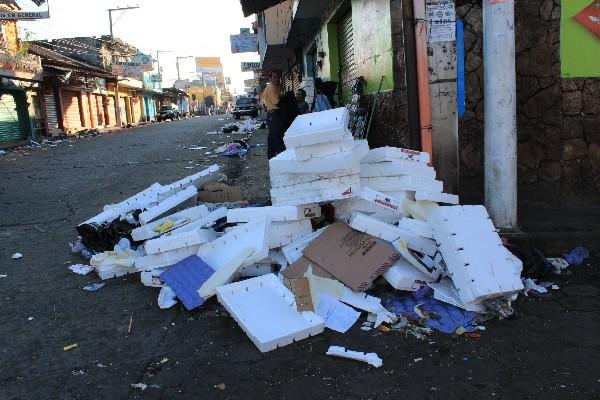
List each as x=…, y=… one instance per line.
x=549, y=350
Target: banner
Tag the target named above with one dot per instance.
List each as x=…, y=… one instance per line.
x=250, y=66
x=210, y=65
x=145, y=62
x=24, y=10
x=244, y=43
x=580, y=38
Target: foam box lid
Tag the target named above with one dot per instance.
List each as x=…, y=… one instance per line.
x=354, y=258
x=322, y=127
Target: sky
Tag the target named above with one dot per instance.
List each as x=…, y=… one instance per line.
x=183, y=27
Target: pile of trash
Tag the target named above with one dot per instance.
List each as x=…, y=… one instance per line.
x=244, y=126
x=345, y=220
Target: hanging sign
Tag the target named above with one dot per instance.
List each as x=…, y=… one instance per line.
x=24, y=10
x=250, y=66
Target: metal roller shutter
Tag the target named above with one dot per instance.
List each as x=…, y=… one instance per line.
x=346, y=54
x=11, y=124
x=112, y=110
x=71, y=110
x=52, y=115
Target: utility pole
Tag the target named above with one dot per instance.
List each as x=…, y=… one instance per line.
x=500, y=114
x=110, y=20
x=177, y=64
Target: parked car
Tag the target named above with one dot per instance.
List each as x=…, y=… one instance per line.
x=245, y=106
x=168, y=112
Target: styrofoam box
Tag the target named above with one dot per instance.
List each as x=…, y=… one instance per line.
x=382, y=200
x=396, y=168
x=333, y=193
x=275, y=214
x=293, y=251
x=403, y=276
x=284, y=180
x=204, y=222
x=390, y=233
x=477, y=262
x=168, y=204
x=286, y=161
x=180, y=218
x=398, y=183
x=345, y=208
x=266, y=311
x=284, y=233
x=395, y=153
x=112, y=271
x=324, y=149
x=198, y=179
x=318, y=185
x=322, y=127
x=148, y=263
x=436, y=196
x=221, y=251
x=257, y=269
x=179, y=240
x=419, y=228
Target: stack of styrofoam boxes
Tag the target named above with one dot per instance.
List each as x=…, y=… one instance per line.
x=287, y=223
x=476, y=260
x=321, y=163
x=397, y=171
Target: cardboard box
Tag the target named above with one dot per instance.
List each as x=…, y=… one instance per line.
x=217, y=192
x=297, y=269
x=354, y=258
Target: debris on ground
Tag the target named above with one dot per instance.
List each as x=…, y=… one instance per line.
x=352, y=232
x=370, y=358
x=81, y=269
x=16, y=256
x=70, y=347
x=92, y=287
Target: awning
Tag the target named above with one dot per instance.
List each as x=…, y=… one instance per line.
x=278, y=57
x=306, y=22
x=250, y=7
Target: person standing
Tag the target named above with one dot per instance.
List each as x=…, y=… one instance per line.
x=303, y=107
x=270, y=97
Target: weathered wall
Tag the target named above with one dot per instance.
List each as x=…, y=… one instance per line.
x=558, y=119
x=277, y=22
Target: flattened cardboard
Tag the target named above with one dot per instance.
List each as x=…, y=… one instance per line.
x=299, y=268
x=354, y=258
x=217, y=192
x=300, y=287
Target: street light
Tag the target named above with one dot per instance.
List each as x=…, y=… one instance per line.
x=177, y=64
x=110, y=10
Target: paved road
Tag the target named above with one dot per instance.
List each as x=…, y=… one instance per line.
x=549, y=351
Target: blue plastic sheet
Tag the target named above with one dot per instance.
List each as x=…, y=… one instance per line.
x=447, y=318
x=185, y=278
x=577, y=256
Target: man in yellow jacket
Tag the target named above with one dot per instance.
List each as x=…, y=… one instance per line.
x=270, y=97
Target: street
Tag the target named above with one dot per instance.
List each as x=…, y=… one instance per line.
x=548, y=350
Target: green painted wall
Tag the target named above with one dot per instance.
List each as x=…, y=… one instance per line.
x=372, y=30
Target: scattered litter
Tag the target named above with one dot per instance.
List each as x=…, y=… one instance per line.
x=529, y=285
x=130, y=324
x=559, y=264
x=220, y=386
x=370, y=358
x=185, y=278
x=555, y=287
x=418, y=359
x=166, y=298
x=77, y=372
x=141, y=386
x=16, y=256
x=30, y=319
x=577, y=256
x=81, y=269
x=2, y=276
x=337, y=316
x=197, y=148
x=92, y=287
x=70, y=347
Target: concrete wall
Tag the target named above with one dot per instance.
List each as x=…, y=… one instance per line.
x=558, y=119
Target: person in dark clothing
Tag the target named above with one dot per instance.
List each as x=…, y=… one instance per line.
x=303, y=107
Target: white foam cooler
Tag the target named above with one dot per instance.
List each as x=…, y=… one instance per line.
x=314, y=128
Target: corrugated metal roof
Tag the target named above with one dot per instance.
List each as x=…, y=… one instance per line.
x=55, y=59
x=250, y=7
